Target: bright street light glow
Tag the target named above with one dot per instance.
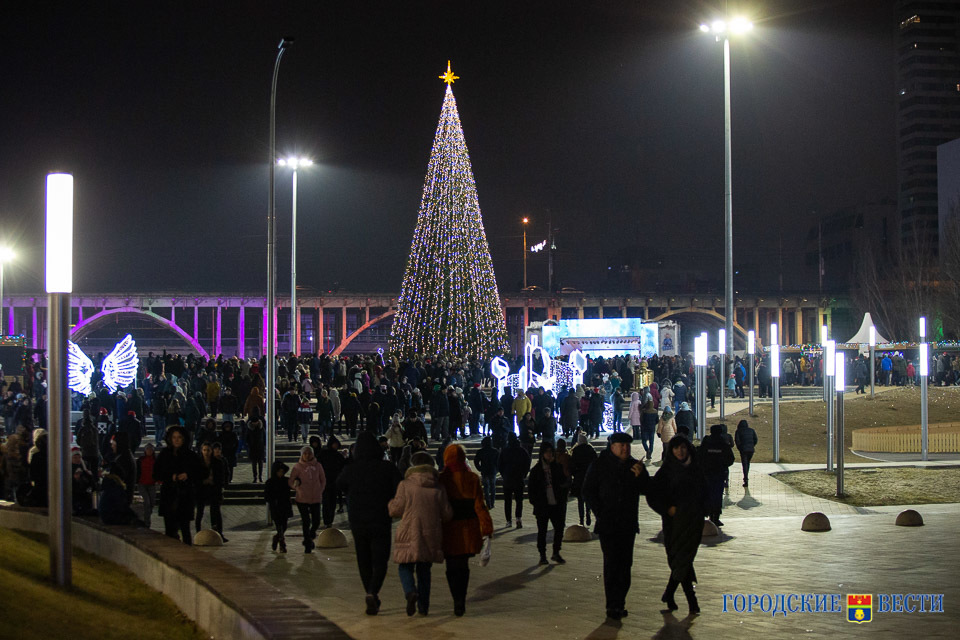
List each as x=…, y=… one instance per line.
x=751, y=342
x=831, y=356
x=774, y=361
x=736, y=26
x=718, y=26
x=823, y=334
x=294, y=162
x=773, y=334
x=740, y=25
x=723, y=342
x=924, y=359
x=6, y=254
x=923, y=327
x=59, y=246
x=841, y=372
x=526, y=220
x=700, y=351
x=873, y=336
x=705, y=28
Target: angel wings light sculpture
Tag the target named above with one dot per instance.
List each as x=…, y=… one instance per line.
x=119, y=368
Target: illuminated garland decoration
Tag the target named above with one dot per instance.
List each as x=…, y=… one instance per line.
x=79, y=369
x=119, y=368
x=449, y=305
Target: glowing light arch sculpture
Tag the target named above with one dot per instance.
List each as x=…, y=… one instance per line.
x=91, y=323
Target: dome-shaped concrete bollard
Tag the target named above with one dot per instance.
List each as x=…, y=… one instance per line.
x=815, y=521
x=710, y=530
x=208, y=538
x=577, y=533
x=909, y=518
x=331, y=538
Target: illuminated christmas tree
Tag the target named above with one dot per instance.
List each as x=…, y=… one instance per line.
x=449, y=304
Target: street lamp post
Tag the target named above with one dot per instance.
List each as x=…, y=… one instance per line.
x=700, y=367
x=723, y=370
x=823, y=363
x=271, y=418
x=873, y=347
x=841, y=383
x=294, y=163
x=525, y=221
x=723, y=28
x=830, y=371
x=751, y=351
x=59, y=284
x=6, y=255
x=775, y=388
x=924, y=372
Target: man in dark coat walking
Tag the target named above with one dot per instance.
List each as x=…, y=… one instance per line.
x=612, y=488
x=548, y=495
x=716, y=455
x=514, y=466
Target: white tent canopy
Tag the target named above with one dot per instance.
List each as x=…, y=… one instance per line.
x=863, y=334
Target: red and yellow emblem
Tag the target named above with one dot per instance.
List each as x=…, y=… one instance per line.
x=859, y=608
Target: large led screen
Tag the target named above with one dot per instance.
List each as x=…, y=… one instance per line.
x=613, y=328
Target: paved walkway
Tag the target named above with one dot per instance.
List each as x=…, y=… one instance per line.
x=761, y=550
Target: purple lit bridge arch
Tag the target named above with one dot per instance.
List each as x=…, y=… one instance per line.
x=366, y=325
x=96, y=320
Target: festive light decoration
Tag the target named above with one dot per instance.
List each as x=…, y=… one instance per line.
x=449, y=305
x=540, y=246
x=380, y=353
x=120, y=366
x=79, y=369
x=578, y=362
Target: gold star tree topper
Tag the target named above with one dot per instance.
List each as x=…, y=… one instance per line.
x=448, y=77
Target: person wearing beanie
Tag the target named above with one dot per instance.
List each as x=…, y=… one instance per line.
x=581, y=457
x=547, y=491
x=666, y=429
x=612, y=488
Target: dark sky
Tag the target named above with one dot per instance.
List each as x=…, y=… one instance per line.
x=605, y=116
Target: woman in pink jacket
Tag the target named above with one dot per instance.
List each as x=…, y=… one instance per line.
x=634, y=416
x=421, y=503
x=309, y=481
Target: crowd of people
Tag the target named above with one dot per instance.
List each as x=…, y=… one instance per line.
x=401, y=422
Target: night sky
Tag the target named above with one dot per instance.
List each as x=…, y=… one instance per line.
x=605, y=117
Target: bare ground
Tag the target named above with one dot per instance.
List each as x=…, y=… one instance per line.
x=880, y=486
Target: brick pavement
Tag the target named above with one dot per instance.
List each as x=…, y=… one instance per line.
x=761, y=550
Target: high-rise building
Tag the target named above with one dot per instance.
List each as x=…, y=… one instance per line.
x=928, y=111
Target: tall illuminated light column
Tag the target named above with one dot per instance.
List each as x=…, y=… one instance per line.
x=6, y=255
x=723, y=370
x=924, y=372
x=723, y=28
x=775, y=389
x=270, y=420
x=873, y=347
x=751, y=353
x=823, y=362
x=841, y=380
x=525, y=221
x=59, y=281
x=829, y=380
x=700, y=367
x=294, y=163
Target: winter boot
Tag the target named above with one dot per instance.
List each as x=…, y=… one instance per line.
x=667, y=596
x=691, y=597
x=283, y=544
x=276, y=541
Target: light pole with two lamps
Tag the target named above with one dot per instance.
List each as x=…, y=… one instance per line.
x=723, y=28
x=294, y=163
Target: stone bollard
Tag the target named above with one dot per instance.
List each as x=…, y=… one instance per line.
x=207, y=538
x=331, y=538
x=577, y=533
x=815, y=521
x=909, y=518
x=710, y=530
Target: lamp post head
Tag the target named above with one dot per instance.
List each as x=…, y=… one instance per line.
x=751, y=342
x=294, y=162
x=873, y=336
x=923, y=327
x=526, y=220
x=737, y=26
x=6, y=254
x=285, y=43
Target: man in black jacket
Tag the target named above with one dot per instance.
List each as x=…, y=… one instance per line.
x=514, y=466
x=487, y=461
x=613, y=487
x=369, y=483
x=548, y=495
x=716, y=455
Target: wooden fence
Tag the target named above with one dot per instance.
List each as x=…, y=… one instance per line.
x=941, y=438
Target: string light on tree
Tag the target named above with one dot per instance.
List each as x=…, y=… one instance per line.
x=449, y=304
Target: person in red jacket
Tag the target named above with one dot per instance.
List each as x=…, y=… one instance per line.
x=146, y=485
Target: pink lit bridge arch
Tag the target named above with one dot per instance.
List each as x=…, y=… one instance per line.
x=366, y=325
x=91, y=323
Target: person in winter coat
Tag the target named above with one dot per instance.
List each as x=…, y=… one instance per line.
x=547, y=425
x=276, y=491
x=88, y=442
x=581, y=457
x=746, y=440
x=256, y=444
x=439, y=414
x=332, y=460
x=716, y=456
x=595, y=416
x=229, y=444
x=666, y=429
x=487, y=461
x=146, y=485
x=648, y=424
x=613, y=487
x=422, y=505
x=309, y=481
x=514, y=466
x=395, y=438
x=686, y=420
x=463, y=534
x=548, y=495
x=210, y=488
x=569, y=414
x=634, y=414
x=369, y=483
x=351, y=413
x=678, y=493
x=123, y=464
x=679, y=395
x=617, y=401
x=255, y=402
x=177, y=470
x=522, y=406
x=712, y=386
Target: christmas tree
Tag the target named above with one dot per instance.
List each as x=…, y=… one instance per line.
x=449, y=304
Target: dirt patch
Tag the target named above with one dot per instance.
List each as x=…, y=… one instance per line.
x=803, y=425
x=880, y=486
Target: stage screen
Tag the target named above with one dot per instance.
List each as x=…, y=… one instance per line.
x=617, y=330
